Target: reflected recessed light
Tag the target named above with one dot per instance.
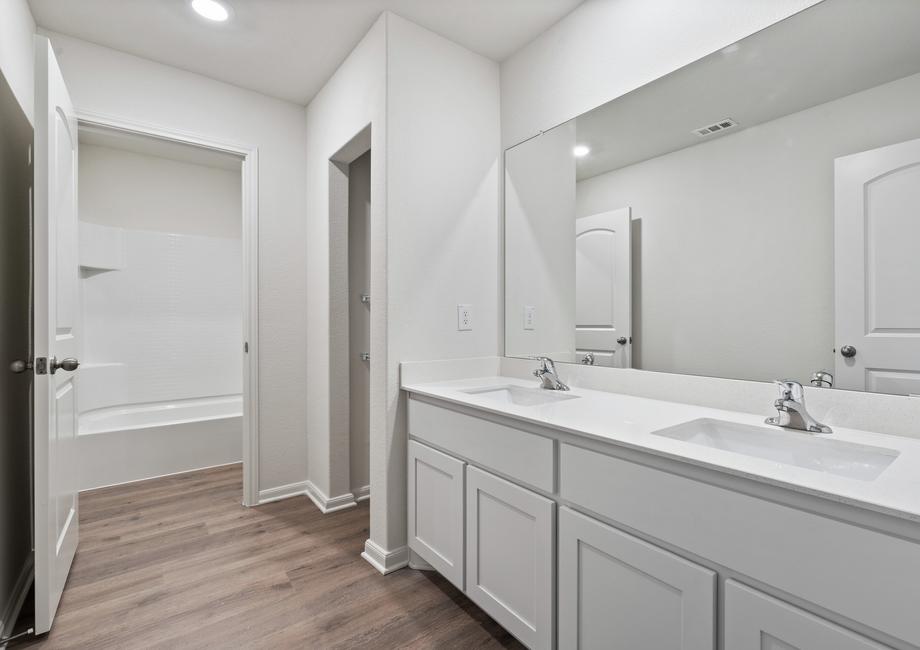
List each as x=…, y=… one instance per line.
x=581, y=151
x=211, y=9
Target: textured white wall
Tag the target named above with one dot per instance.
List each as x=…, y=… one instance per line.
x=105, y=81
x=751, y=282
x=133, y=190
x=540, y=244
x=352, y=99
x=17, y=52
x=605, y=48
x=443, y=171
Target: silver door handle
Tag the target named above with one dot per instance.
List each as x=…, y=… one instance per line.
x=69, y=364
x=848, y=351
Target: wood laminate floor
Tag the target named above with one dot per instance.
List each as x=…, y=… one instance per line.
x=177, y=562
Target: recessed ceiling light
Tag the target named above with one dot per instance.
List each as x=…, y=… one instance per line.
x=211, y=9
x=580, y=151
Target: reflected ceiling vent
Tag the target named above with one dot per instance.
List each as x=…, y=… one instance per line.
x=716, y=127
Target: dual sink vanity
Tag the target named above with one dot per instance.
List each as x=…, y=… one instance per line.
x=592, y=519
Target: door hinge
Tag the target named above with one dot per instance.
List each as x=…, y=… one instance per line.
x=41, y=365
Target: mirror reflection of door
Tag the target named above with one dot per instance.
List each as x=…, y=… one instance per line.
x=603, y=299
x=878, y=270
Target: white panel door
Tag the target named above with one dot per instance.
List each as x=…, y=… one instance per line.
x=509, y=562
x=617, y=591
x=877, y=268
x=755, y=621
x=603, y=290
x=435, y=514
x=56, y=270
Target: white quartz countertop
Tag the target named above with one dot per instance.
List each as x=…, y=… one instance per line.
x=629, y=421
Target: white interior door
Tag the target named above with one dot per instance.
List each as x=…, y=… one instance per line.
x=877, y=268
x=603, y=290
x=55, y=271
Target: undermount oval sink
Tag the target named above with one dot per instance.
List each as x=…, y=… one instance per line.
x=520, y=395
x=815, y=452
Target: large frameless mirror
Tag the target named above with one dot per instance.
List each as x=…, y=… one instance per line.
x=753, y=215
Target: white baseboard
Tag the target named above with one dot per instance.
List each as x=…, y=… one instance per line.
x=282, y=492
x=363, y=493
x=17, y=597
x=328, y=504
x=383, y=560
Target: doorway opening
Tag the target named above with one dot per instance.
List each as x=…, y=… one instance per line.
x=165, y=305
x=341, y=471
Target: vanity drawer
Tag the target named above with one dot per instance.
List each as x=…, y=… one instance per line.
x=858, y=573
x=519, y=455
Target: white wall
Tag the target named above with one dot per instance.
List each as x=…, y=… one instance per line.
x=434, y=111
x=540, y=251
x=606, y=48
x=17, y=54
x=352, y=99
x=443, y=171
x=133, y=190
x=745, y=265
x=112, y=83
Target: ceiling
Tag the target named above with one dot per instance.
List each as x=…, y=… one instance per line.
x=828, y=51
x=288, y=48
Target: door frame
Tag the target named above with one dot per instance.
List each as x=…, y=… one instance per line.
x=250, y=204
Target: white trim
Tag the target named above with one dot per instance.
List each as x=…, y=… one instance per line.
x=362, y=493
x=250, y=202
x=327, y=504
x=282, y=492
x=17, y=598
x=383, y=560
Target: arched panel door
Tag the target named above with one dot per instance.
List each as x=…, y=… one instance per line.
x=877, y=270
x=603, y=295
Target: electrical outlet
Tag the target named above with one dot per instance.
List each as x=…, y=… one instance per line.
x=530, y=317
x=464, y=317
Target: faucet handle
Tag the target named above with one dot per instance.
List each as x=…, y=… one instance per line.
x=790, y=389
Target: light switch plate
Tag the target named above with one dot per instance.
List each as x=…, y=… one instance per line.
x=464, y=317
x=530, y=317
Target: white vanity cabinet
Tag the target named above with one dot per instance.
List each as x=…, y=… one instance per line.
x=435, y=515
x=755, y=621
x=509, y=556
x=617, y=591
x=572, y=543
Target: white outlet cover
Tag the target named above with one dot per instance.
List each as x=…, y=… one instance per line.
x=530, y=317
x=464, y=317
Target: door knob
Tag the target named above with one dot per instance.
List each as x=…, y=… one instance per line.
x=848, y=351
x=622, y=340
x=19, y=366
x=69, y=364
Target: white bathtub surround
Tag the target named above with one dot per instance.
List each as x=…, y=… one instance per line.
x=598, y=502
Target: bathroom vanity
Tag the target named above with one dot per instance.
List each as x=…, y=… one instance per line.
x=586, y=519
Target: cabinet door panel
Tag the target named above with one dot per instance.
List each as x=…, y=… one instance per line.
x=509, y=568
x=755, y=621
x=617, y=591
x=435, y=514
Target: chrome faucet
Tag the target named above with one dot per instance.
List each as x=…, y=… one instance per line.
x=547, y=374
x=791, y=409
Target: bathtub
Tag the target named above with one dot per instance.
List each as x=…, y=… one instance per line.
x=121, y=444
x=142, y=416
